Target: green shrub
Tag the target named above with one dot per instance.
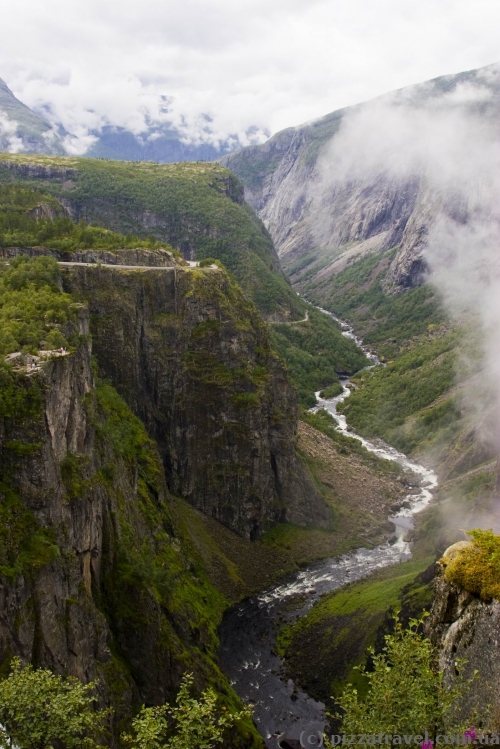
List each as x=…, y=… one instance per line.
x=32, y=306
x=331, y=391
x=39, y=710
x=476, y=567
x=406, y=695
x=207, y=261
x=190, y=724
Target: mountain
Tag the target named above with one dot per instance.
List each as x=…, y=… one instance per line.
x=21, y=129
x=371, y=201
x=160, y=143
x=375, y=176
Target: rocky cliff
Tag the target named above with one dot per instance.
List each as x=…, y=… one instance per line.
x=466, y=632
x=101, y=576
x=192, y=358
x=375, y=176
x=94, y=580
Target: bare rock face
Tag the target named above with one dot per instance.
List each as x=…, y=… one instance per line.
x=464, y=628
x=192, y=358
x=95, y=581
x=315, y=192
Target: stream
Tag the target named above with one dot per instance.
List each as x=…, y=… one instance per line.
x=248, y=631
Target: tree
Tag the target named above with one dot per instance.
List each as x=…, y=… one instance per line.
x=190, y=724
x=38, y=708
x=406, y=692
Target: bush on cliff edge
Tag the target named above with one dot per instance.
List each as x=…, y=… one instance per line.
x=476, y=566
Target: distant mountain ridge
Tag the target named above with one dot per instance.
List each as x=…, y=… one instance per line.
x=23, y=130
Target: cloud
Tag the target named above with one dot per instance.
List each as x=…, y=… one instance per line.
x=261, y=64
x=417, y=132
x=9, y=140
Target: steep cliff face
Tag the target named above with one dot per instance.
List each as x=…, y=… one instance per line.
x=361, y=179
x=192, y=358
x=94, y=580
x=466, y=629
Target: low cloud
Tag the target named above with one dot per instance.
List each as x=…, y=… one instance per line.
x=9, y=139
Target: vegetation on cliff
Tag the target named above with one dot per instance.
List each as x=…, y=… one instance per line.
x=476, y=566
x=33, y=307
x=25, y=545
x=34, y=218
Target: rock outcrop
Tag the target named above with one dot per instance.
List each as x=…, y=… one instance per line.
x=192, y=358
x=466, y=632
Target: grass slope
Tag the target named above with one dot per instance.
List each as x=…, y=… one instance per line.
x=322, y=649
x=413, y=402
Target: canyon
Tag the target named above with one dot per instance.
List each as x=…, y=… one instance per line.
x=168, y=500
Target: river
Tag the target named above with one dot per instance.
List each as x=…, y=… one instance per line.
x=248, y=631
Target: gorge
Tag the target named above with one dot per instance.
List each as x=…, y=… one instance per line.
x=201, y=471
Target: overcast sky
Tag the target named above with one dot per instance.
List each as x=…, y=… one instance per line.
x=262, y=63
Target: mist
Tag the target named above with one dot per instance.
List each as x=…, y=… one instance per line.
x=9, y=140
x=442, y=150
